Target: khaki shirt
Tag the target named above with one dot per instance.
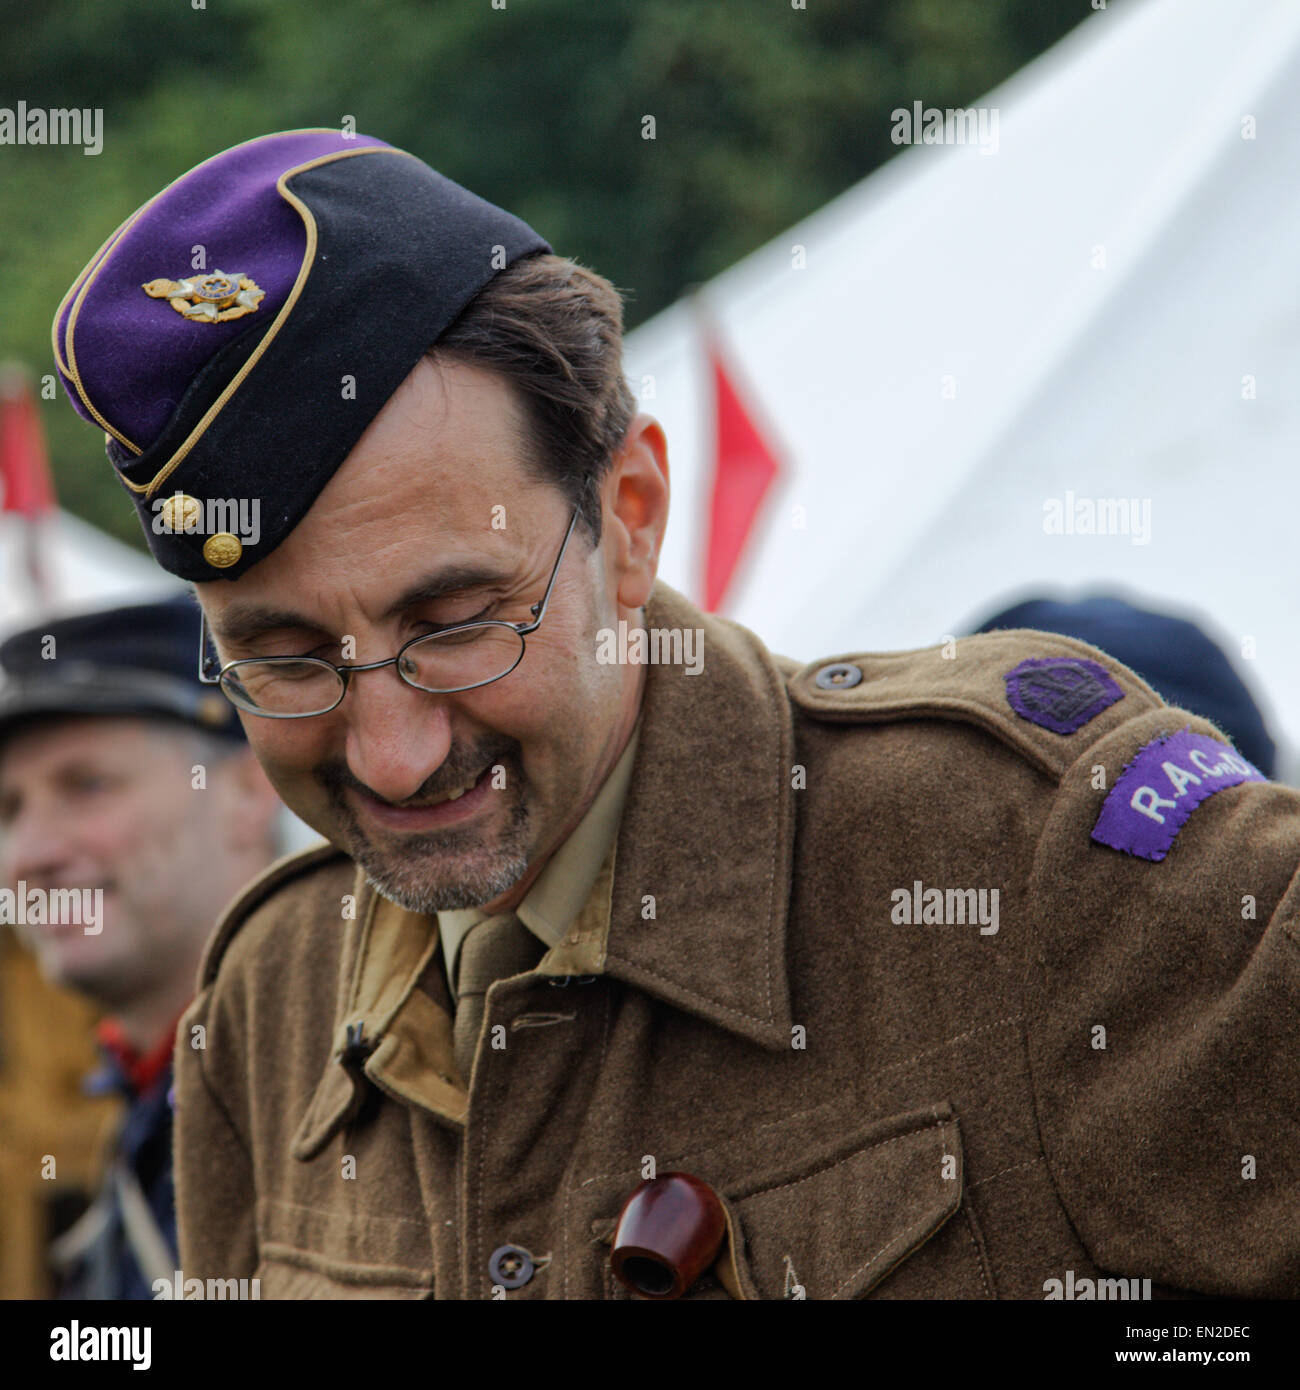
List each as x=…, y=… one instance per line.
x=552, y=904
x=1050, y=1088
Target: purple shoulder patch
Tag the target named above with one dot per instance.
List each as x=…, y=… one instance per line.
x=1060, y=693
x=1162, y=786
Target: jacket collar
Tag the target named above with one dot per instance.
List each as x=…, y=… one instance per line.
x=690, y=908
x=708, y=833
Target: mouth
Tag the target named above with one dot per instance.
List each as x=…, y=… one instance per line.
x=71, y=930
x=451, y=808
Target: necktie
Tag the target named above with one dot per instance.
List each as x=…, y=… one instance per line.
x=495, y=948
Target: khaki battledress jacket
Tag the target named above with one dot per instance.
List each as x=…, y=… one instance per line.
x=1096, y=1078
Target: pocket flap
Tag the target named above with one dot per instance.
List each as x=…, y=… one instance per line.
x=840, y=1206
x=836, y=1226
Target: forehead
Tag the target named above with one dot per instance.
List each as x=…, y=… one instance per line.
x=451, y=430
x=45, y=743
x=450, y=446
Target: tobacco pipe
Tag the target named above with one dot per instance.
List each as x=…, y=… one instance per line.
x=669, y=1232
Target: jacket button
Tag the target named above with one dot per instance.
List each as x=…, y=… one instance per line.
x=511, y=1266
x=838, y=676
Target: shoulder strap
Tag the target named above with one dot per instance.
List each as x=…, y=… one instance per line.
x=1046, y=696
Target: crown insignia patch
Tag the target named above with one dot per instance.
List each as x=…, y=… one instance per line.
x=211, y=298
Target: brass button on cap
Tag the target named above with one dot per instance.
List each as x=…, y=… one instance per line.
x=511, y=1266
x=180, y=512
x=222, y=550
x=840, y=675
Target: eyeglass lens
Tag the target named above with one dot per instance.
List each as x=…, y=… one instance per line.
x=438, y=663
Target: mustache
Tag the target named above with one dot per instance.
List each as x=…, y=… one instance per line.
x=463, y=764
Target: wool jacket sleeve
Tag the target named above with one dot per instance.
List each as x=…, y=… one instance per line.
x=1162, y=1002
x=225, y=1070
x=1160, y=987
x=215, y=1202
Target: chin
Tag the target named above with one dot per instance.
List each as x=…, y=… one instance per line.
x=81, y=977
x=446, y=870
x=421, y=887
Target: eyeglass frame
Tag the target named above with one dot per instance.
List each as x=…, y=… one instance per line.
x=538, y=610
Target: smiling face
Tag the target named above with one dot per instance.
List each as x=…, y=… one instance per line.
x=433, y=519
x=111, y=803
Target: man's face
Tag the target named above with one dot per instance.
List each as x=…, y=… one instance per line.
x=433, y=520
x=109, y=803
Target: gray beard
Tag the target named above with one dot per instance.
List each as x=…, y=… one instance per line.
x=412, y=877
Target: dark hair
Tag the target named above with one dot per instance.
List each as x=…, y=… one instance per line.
x=554, y=330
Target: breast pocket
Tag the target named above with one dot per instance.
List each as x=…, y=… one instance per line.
x=309, y=1253
x=880, y=1213
x=844, y=1209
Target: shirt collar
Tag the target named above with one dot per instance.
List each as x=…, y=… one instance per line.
x=705, y=848
x=552, y=904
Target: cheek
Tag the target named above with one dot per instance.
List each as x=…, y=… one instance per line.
x=120, y=828
x=289, y=749
x=560, y=684
x=145, y=841
x=547, y=700
x=559, y=713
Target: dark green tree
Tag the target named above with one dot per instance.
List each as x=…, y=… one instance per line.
x=761, y=112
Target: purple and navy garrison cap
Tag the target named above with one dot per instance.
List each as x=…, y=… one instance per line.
x=235, y=336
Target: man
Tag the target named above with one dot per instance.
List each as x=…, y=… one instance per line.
x=891, y=953
x=131, y=811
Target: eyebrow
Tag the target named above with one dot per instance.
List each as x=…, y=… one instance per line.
x=452, y=579
x=246, y=620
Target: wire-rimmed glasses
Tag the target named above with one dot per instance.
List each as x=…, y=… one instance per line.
x=462, y=657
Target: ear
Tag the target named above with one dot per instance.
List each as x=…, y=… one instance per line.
x=250, y=804
x=634, y=498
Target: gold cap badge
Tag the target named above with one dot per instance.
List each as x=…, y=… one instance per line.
x=212, y=298
x=222, y=550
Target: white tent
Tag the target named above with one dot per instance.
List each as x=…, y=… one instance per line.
x=86, y=569
x=1103, y=304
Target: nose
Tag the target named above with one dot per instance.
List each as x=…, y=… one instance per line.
x=397, y=737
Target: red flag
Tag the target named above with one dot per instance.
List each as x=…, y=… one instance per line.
x=24, y=463
x=25, y=474
x=744, y=468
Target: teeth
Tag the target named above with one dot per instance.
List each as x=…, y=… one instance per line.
x=456, y=796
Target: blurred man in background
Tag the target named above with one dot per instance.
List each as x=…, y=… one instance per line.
x=123, y=778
